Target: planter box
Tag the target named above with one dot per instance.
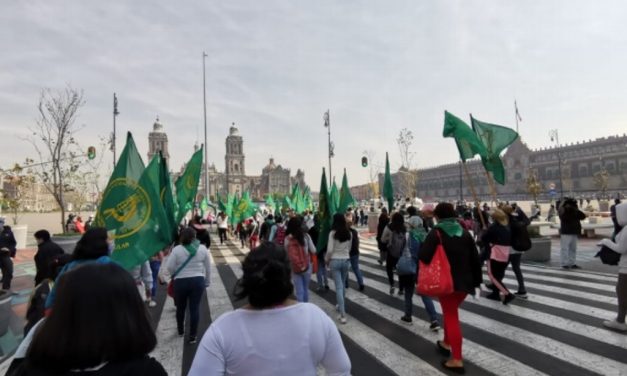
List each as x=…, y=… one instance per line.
x=540, y=250
x=66, y=242
x=604, y=206
x=373, y=221
x=20, y=231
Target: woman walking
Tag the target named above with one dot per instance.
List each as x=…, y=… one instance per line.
x=298, y=241
x=394, y=239
x=337, y=257
x=189, y=266
x=499, y=238
x=384, y=219
x=463, y=258
x=620, y=246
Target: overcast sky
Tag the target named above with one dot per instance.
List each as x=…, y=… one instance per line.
x=274, y=68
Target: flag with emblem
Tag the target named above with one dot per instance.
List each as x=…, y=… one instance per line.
x=187, y=185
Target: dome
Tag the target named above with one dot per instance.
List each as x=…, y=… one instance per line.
x=157, y=127
x=233, y=131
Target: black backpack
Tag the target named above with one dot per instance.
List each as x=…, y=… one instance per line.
x=397, y=244
x=521, y=241
x=608, y=256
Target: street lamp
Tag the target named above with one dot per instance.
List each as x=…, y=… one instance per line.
x=555, y=138
x=327, y=124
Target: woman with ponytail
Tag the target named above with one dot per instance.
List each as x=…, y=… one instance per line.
x=272, y=334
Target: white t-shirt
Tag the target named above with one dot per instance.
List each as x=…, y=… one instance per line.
x=291, y=340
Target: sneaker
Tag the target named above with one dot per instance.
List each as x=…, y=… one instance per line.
x=435, y=326
x=400, y=291
x=380, y=262
x=508, y=298
x=326, y=287
x=181, y=333
x=341, y=319
x=565, y=267
x=192, y=340
x=391, y=290
x=406, y=319
x=361, y=287
x=521, y=294
x=152, y=303
x=493, y=296
x=615, y=325
x=575, y=266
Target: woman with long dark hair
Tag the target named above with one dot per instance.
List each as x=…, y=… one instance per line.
x=463, y=258
x=189, y=266
x=384, y=219
x=288, y=338
x=337, y=258
x=395, y=241
x=298, y=241
x=88, y=332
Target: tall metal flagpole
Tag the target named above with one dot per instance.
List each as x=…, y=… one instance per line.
x=327, y=124
x=115, y=114
x=204, y=100
x=516, y=115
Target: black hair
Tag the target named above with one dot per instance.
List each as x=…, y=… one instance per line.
x=267, y=278
x=397, y=223
x=188, y=235
x=444, y=210
x=270, y=217
x=278, y=219
x=412, y=211
x=42, y=234
x=295, y=228
x=87, y=328
x=92, y=245
x=342, y=232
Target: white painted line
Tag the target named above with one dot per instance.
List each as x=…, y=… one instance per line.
x=169, y=350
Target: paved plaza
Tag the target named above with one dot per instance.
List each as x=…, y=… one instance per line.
x=557, y=331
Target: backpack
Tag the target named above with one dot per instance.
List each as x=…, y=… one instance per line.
x=396, y=244
x=608, y=256
x=520, y=236
x=298, y=257
x=279, y=237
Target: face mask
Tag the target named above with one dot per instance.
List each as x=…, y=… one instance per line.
x=111, y=247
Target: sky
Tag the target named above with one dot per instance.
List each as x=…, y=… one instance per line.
x=274, y=67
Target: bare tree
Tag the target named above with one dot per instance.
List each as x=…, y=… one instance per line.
x=17, y=183
x=53, y=140
x=408, y=175
x=373, y=173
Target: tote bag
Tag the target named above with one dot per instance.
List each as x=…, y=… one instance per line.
x=435, y=279
x=406, y=264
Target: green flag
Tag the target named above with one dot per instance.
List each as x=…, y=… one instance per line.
x=334, y=198
x=308, y=199
x=245, y=208
x=388, y=190
x=187, y=185
x=346, y=198
x=324, y=214
x=141, y=227
x=167, y=197
x=495, y=138
x=270, y=204
x=125, y=175
x=467, y=141
x=204, y=207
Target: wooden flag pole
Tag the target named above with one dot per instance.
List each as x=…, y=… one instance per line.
x=474, y=195
x=492, y=187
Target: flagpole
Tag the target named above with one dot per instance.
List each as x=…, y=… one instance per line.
x=474, y=194
x=516, y=114
x=204, y=100
x=492, y=186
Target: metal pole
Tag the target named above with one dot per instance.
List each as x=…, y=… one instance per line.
x=461, y=192
x=115, y=114
x=330, y=147
x=204, y=99
x=555, y=137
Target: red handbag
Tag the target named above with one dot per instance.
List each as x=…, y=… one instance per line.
x=435, y=279
x=314, y=263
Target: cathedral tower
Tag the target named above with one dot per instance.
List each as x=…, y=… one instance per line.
x=158, y=141
x=235, y=161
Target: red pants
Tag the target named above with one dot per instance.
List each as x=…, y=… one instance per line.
x=452, y=329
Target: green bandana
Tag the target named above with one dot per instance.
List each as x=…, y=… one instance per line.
x=192, y=248
x=450, y=226
x=418, y=233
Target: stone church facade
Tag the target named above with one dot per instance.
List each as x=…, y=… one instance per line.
x=581, y=163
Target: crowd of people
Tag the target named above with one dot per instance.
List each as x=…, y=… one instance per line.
x=268, y=336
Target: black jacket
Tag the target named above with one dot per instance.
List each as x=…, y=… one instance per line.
x=497, y=234
x=46, y=252
x=7, y=240
x=462, y=256
x=145, y=366
x=383, y=222
x=570, y=219
x=354, y=243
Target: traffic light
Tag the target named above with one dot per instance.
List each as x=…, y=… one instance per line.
x=364, y=161
x=91, y=152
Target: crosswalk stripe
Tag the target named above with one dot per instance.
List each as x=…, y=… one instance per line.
x=219, y=301
x=559, y=350
x=169, y=345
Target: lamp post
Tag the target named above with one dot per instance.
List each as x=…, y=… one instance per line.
x=555, y=138
x=327, y=124
x=204, y=100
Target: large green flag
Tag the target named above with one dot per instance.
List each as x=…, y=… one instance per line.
x=187, y=185
x=167, y=197
x=324, y=214
x=308, y=199
x=346, y=198
x=125, y=175
x=495, y=138
x=270, y=204
x=204, y=207
x=467, y=141
x=139, y=221
x=245, y=208
x=334, y=198
x=388, y=190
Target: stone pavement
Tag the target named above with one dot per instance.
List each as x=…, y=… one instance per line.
x=557, y=331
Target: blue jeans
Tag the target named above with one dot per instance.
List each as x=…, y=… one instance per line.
x=154, y=268
x=354, y=260
x=301, y=285
x=339, y=269
x=188, y=290
x=321, y=274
